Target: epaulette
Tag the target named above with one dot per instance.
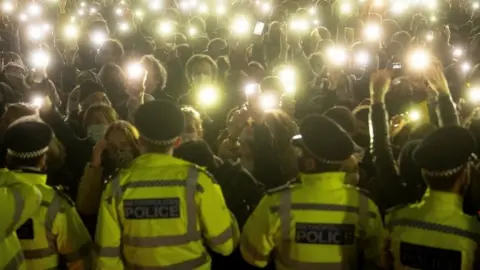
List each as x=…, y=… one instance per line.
x=61, y=191
x=290, y=184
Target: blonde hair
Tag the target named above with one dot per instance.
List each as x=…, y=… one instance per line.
x=109, y=113
x=130, y=132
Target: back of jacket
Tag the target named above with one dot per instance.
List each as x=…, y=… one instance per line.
x=157, y=212
x=318, y=223
x=433, y=234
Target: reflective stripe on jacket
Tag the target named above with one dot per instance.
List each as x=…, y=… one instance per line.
x=316, y=223
x=155, y=214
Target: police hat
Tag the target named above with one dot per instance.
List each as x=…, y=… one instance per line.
x=324, y=139
x=159, y=122
x=27, y=138
x=445, y=152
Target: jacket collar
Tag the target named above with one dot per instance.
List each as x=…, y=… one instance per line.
x=328, y=180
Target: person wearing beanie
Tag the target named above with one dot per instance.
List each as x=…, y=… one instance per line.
x=436, y=231
x=27, y=141
x=161, y=191
x=324, y=213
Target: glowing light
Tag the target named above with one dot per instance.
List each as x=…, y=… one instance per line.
x=268, y=101
x=362, y=58
x=430, y=37
x=337, y=56
x=457, y=52
x=34, y=10
x=123, y=26
x=98, y=38
x=346, y=8
x=71, y=31
x=221, y=10
x=39, y=59
x=7, y=7
x=474, y=94
x=241, y=25
x=372, y=32
x=466, y=67
x=419, y=59
x=208, y=96
x=476, y=5
x=265, y=7
x=135, y=70
x=192, y=31
x=37, y=102
x=414, y=115
x=288, y=77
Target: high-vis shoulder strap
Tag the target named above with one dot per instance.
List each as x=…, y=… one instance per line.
x=17, y=214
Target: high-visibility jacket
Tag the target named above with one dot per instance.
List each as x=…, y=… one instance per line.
x=314, y=222
x=18, y=200
x=156, y=213
x=433, y=234
x=55, y=232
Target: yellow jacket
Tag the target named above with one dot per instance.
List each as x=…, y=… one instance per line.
x=54, y=230
x=315, y=222
x=18, y=200
x=433, y=232
x=90, y=190
x=156, y=213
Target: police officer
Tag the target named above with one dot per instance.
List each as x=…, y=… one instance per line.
x=316, y=221
x=55, y=232
x=435, y=233
x=155, y=214
x=19, y=201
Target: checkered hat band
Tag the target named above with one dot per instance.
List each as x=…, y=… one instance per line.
x=159, y=143
x=446, y=173
x=27, y=155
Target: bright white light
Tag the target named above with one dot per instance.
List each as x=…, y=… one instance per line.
x=268, y=101
x=71, y=31
x=288, y=77
x=192, y=31
x=35, y=32
x=46, y=27
x=419, y=59
x=431, y=4
x=40, y=59
x=265, y=7
x=7, y=7
x=457, y=52
x=312, y=11
x=83, y=4
x=476, y=5
x=299, y=25
x=399, y=7
x=119, y=11
x=22, y=17
x=155, y=5
x=166, y=28
x=362, y=58
x=184, y=5
x=474, y=94
x=433, y=18
x=337, y=56
x=221, y=10
x=98, y=38
x=81, y=12
x=34, y=9
x=241, y=25
x=203, y=8
x=372, y=32
x=251, y=89
x=123, y=26
x=378, y=3
x=37, y=102
x=466, y=67
x=346, y=8
x=93, y=10
x=135, y=70
x=207, y=96
x=414, y=115
x=316, y=22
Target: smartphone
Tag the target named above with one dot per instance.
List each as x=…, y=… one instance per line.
x=396, y=65
x=258, y=30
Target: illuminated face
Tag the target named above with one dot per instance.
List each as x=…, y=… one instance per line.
x=203, y=68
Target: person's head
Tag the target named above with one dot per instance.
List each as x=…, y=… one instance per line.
x=183, y=52
x=217, y=47
x=180, y=39
x=199, y=24
x=272, y=84
x=15, y=111
x=343, y=117
x=201, y=69
x=96, y=120
x=317, y=62
x=122, y=143
x=362, y=133
x=15, y=75
x=324, y=44
x=110, y=52
x=27, y=141
x=323, y=33
x=91, y=93
x=322, y=145
x=114, y=80
x=444, y=158
x=193, y=125
x=197, y=152
x=156, y=74
x=390, y=27
x=256, y=71
x=223, y=65
x=11, y=57
x=160, y=124
x=403, y=38
x=199, y=44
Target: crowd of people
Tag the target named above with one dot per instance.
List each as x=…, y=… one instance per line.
x=191, y=134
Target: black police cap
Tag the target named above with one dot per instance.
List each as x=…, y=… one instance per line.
x=445, y=151
x=325, y=139
x=159, y=122
x=27, y=138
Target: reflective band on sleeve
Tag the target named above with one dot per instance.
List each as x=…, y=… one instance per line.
x=159, y=183
x=52, y=212
x=190, y=189
x=435, y=227
x=159, y=241
x=186, y=265
x=83, y=251
x=284, y=211
x=40, y=253
x=252, y=251
x=16, y=262
x=116, y=188
x=324, y=207
x=222, y=238
x=17, y=214
x=110, y=252
x=363, y=214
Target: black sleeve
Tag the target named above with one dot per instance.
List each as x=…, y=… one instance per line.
x=266, y=162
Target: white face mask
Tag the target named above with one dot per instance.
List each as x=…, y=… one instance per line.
x=201, y=79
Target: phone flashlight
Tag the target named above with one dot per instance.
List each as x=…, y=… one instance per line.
x=372, y=32
x=135, y=71
x=98, y=38
x=37, y=102
x=124, y=27
x=466, y=67
x=474, y=94
x=34, y=9
x=203, y=8
x=433, y=18
x=35, y=32
x=337, y=56
x=288, y=78
x=362, y=58
x=207, y=96
x=346, y=9
x=475, y=5
x=251, y=89
x=71, y=31
x=240, y=26
x=299, y=25
x=414, y=115
x=430, y=37
x=265, y=7
x=139, y=13
x=165, y=29
x=258, y=30
x=268, y=101
x=457, y=52
x=419, y=59
x=119, y=11
x=221, y=10
x=192, y=31
x=7, y=7
x=39, y=59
